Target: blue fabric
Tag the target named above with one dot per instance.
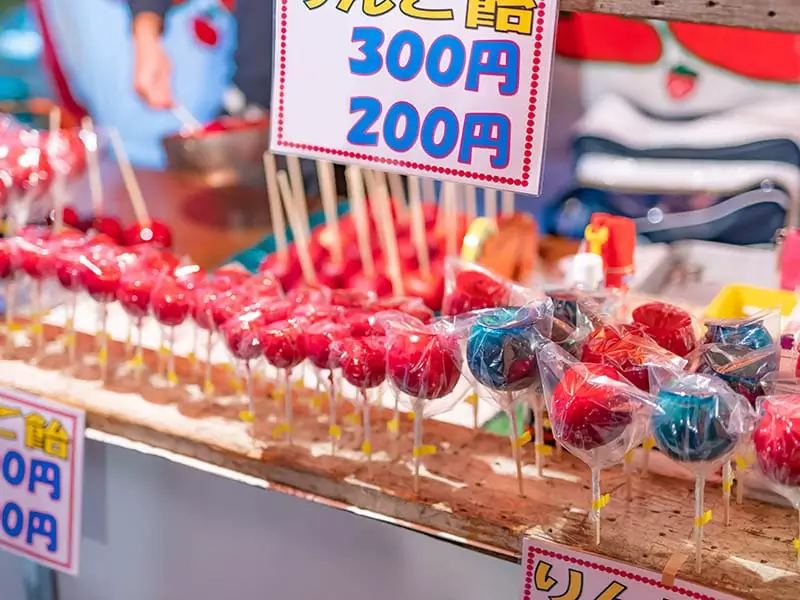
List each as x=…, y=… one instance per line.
x=94, y=44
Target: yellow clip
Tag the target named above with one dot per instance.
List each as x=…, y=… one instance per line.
x=35, y=328
x=728, y=485
x=102, y=356
x=277, y=393
x=546, y=424
x=163, y=350
x=523, y=439
x=704, y=520
x=13, y=326
x=192, y=357
x=742, y=463
x=352, y=419
x=595, y=238
x=423, y=450
x=280, y=429
x=543, y=449
x=602, y=502
x=299, y=385
x=335, y=431
x=236, y=384
x=649, y=443
x=316, y=401
x=226, y=367
x=796, y=544
x=411, y=416
x=472, y=399
x=393, y=426
x=69, y=339
x=208, y=388
x=247, y=416
x=172, y=377
x=69, y=324
x=366, y=448
x=629, y=457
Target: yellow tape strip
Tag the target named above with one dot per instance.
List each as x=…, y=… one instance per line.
x=208, y=388
x=727, y=486
x=472, y=399
x=35, y=328
x=629, y=457
x=546, y=424
x=247, y=416
x=523, y=439
x=602, y=502
x=335, y=431
x=393, y=426
x=411, y=416
x=704, y=520
x=163, y=350
x=278, y=393
x=649, y=443
x=366, y=448
x=102, y=357
x=236, y=384
x=796, y=544
x=70, y=339
x=172, y=377
x=299, y=384
x=316, y=401
x=743, y=462
x=192, y=358
x=352, y=419
x=13, y=326
x=543, y=449
x=424, y=450
x=226, y=367
x=280, y=429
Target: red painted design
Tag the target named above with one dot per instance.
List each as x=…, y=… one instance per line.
x=204, y=31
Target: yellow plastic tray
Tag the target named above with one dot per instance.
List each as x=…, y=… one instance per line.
x=736, y=301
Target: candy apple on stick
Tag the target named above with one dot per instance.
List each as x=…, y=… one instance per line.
x=594, y=413
x=9, y=258
x=423, y=364
x=282, y=344
x=170, y=305
x=134, y=294
x=501, y=356
x=100, y=275
x=698, y=422
x=281, y=263
x=34, y=256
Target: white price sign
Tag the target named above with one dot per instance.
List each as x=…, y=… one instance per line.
x=449, y=89
x=551, y=572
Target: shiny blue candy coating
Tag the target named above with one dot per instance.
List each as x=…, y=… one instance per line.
x=501, y=349
x=753, y=335
x=691, y=428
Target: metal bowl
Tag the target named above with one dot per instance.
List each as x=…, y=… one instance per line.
x=221, y=157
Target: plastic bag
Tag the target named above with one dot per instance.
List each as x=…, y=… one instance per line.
x=757, y=331
x=777, y=444
x=670, y=326
x=470, y=287
x=741, y=367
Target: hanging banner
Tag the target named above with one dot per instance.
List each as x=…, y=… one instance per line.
x=41, y=453
x=448, y=89
x=551, y=572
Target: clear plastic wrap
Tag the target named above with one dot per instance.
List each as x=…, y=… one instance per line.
x=699, y=422
x=470, y=287
x=423, y=367
x=627, y=348
x=741, y=367
x=671, y=327
x=757, y=331
x=594, y=413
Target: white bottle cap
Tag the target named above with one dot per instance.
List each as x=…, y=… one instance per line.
x=587, y=271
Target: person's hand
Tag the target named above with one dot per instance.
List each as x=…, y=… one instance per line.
x=152, y=69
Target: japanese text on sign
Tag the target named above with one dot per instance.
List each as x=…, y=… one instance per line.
x=41, y=472
x=456, y=88
x=551, y=572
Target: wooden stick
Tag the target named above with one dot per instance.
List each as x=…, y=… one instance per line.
x=508, y=201
x=451, y=219
x=129, y=179
x=418, y=226
x=355, y=188
x=275, y=208
x=300, y=239
x=55, y=119
x=299, y=190
x=186, y=118
x=93, y=166
x=57, y=191
x=471, y=199
x=386, y=223
x=428, y=190
x=327, y=186
x=398, y=194
x=490, y=203
x=371, y=179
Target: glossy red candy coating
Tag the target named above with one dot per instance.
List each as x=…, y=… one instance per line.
x=156, y=234
x=68, y=270
x=109, y=226
x=33, y=258
x=170, y=303
x=474, y=290
x=352, y=298
x=378, y=284
x=670, y=326
x=190, y=276
x=229, y=304
x=241, y=335
x=777, y=441
x=282, y=344
x=7, y=258
x=313, y=313
x=361, y=323
x=304, y=294
x=587, y=411
x=135, y=291
x=287, y=271
x=423, y=364
x=625, y=348
x=264, y=284
x=71, y=218
x=429, y=289
x=230, y=276
x=100, y=277
x=317, y=339
x=201, y=305
x=363, y=361
x=411, y=306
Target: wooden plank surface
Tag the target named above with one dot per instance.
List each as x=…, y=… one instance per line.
x=771, y=15
x=468, y=489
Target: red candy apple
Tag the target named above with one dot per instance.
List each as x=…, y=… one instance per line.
x=625, y=348
x=155, y=233
x=241, y=335
x=109, y=226
x=668, y=325
x=135, y=290
x=100, y=276
x=170, y=302
x=363, y=361
x=7, y=258
x=317, y=339
x=189, y=277
x=422, y=363
x=474, y=290
x=282, y=344
x=429, y=288
x=777, y=440
x=378, y=284
x=587, y=410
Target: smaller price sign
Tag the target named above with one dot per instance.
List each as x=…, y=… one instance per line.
x=41, y=461
x=551, y=572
